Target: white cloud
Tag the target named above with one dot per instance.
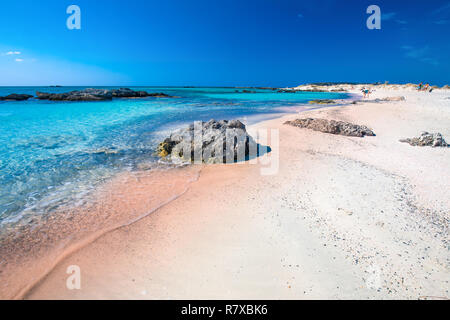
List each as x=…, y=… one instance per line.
x=19, y=60
x=432, y=61
x=420, y=54
x=444, y=8
x=10, y=53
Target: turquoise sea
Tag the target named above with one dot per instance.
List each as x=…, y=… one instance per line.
x=53, y=153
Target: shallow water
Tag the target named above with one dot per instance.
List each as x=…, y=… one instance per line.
x=55, y=153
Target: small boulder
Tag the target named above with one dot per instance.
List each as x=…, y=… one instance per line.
x=16, y=97
x=399, y=98
x=427, y=139
x=211, y=142
x=322, y=101
x=332, y=126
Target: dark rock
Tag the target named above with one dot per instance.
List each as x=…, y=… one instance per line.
x=16, y=97
x=82, y=95
x=332, y=126
x=266, y=88
x=322, y=101
x=159, y=95
x=427, y=139
x=211, y=142
x=97, y=95
x=286, y=91
x=128, y=93
x=338, y=90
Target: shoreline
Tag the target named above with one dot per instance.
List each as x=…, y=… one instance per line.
x=71, y=234
x=34, y=240
x=45, y=287
x=52, y=252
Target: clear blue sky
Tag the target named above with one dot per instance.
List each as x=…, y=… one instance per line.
x=223, y=43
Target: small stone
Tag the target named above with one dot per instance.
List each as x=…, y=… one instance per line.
x=427, y=139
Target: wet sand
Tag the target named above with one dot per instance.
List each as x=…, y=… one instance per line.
x=29, y=252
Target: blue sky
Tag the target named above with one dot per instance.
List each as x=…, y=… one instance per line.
x=223, y=43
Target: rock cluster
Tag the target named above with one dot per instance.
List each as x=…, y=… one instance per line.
x=128, y=93
x=16, y=97
x=209, y=142
x=97, y=95
x=332, y=126
x=81, y=95
x=427, y=139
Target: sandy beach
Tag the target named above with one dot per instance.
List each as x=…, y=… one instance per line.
x=343, y=218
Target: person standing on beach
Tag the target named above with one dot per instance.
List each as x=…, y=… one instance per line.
x=366, y=92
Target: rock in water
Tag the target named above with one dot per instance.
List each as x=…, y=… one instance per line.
x=97, y=95
x=322, y=101
x=16, y=97
x=332, y=126
x=427, y=139
x=82, y=95
x=210, y=142
x=128, y=93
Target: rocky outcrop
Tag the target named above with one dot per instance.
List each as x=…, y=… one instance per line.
x=322, y=101
x=16, y=97
x=332, y=126
x=209, y=142
x=82, y=95
x=427, y=139
x=286, y=91
x=97, y=95
x=128, y=93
